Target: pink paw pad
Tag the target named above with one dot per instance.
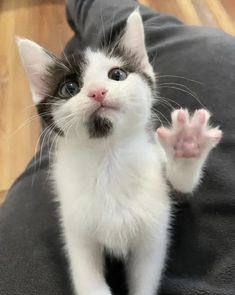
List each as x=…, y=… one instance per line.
x=189, y=136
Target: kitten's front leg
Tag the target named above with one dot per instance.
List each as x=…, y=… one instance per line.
x=187, y=144
x=146, y=264
x=86, y=263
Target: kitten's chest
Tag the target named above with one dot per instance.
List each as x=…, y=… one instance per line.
x=112, y=198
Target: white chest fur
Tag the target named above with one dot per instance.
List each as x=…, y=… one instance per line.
x=112, y=194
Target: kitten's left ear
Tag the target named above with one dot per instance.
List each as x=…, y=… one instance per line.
x=35, y=61
x=134, y=38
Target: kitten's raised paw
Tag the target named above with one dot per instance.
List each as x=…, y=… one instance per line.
x=189, y=136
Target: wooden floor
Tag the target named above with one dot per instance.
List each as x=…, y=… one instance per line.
x=44, y=22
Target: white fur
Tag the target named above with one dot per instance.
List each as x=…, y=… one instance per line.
x=114, y=195
x=185, y=174
x=112, y=191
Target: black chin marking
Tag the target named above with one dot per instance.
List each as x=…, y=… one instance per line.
x=99, y=127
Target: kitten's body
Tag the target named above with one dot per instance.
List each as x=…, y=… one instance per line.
x=113, y=187
x=119, y=198
x=108, y=168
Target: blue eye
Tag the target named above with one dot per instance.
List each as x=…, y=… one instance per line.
x=117, y=74
x=68, y=89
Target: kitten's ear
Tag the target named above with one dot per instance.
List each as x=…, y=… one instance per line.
x=134, y=39
x=35, y=61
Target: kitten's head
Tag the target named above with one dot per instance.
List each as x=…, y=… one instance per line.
x=96, y=93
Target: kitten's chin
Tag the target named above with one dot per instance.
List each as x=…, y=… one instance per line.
x=99, y=126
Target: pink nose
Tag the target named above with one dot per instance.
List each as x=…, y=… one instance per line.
x=97, y=94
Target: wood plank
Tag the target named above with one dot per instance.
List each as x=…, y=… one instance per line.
x=43, y=22
x=214, y=13
x=182, y=9
x=2, y=197
x=221, y=16
x=229, y=6
x=204, y=13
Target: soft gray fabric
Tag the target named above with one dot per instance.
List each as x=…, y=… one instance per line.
x=202, y=255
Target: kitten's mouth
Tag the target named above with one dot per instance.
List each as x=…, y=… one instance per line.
x=107, y=107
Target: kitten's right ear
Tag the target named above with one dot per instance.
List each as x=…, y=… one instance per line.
x=35, y=61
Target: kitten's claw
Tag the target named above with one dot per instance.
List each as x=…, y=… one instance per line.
x=189, y=136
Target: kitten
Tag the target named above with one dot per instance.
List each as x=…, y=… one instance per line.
x=108, y=167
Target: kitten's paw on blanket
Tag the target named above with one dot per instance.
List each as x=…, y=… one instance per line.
x=189, y=136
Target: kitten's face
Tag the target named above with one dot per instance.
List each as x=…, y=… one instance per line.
x=96, y=93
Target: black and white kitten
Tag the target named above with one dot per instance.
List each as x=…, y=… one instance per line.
x=108, y=167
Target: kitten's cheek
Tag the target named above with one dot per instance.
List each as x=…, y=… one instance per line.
x=59, y=124
x=118, y=119
x=60, y=119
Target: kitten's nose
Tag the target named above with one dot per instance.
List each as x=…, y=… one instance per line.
x=97, y=94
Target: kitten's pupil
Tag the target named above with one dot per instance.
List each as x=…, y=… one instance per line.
x=69, y=89
x=117, y=74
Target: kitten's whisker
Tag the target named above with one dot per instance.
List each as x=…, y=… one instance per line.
x=39, y=151
x=166, y=105
x=24, y=124
x=178, y=84
x=29, y=120
x=51, y=145
x=152, y=62
x=49, y=131
x=110, y=35
x=43, y=135
x=183, y=90
x=173, y=101
x=67, y=59
x=76, y=65
x=46, y=133
x=29, y=106
x=55, y=97
x=158, y=112
x=180, y=77
x=156, y=117
x=61, y=64
x=67, y=125
x=103, y=29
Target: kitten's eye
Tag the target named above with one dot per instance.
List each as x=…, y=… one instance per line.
x=117, y=74
x=68, y=89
